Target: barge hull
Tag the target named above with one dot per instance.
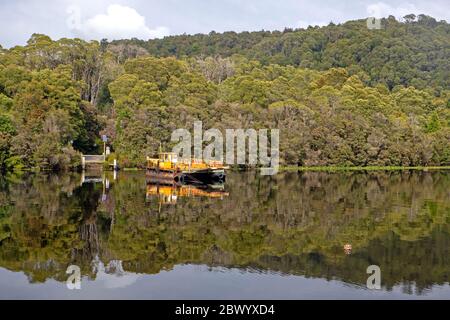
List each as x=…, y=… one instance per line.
x=205, y=177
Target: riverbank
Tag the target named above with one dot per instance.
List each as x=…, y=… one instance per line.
x=280, y=169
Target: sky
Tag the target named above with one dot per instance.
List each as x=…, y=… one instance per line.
x=148, y=19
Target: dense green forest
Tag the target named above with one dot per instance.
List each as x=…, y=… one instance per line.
x=414, y=53
x=341, y=95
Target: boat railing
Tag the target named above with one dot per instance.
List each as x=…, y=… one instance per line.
x=187, y=163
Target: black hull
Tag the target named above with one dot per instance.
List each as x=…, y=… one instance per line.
x=203, y=177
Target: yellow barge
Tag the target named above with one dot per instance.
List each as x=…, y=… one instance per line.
x=168, y=169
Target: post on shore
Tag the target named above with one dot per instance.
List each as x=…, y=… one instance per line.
x=105, y=140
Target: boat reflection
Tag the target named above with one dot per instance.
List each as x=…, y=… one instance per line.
x=169, y=194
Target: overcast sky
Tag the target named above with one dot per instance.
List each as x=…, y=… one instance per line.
x=144, y=19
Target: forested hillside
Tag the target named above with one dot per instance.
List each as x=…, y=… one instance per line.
x=414, y=53
x=340, y=95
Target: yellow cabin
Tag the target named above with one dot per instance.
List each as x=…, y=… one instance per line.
x=169, y=161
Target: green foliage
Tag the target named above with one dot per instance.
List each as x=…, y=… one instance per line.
x=48, y=117
x=433, y=123
x=7, y=130
x=5, y=103
x=341, y=95
x=408, y=54
x=6, y=125
x=325, y=118
x=43, y=109
x=148, y=102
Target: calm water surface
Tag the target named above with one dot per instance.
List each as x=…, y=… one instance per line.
x=259, y=237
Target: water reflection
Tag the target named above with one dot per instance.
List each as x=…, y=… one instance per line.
x=290, y=224
x=169, y=194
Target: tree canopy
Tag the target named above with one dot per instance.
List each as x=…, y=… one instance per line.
x=341, y=95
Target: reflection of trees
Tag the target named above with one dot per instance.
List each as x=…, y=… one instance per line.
x=423, y=262
x=43, y=220
x=294, y=223
x=88, y=199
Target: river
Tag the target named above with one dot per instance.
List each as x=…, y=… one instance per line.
x=309, y=235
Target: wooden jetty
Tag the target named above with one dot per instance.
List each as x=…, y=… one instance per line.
x=97, y=161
